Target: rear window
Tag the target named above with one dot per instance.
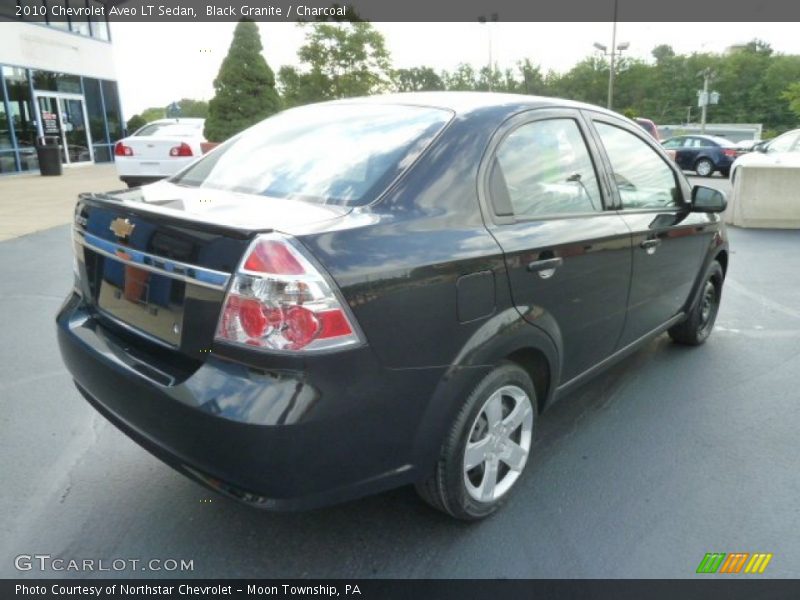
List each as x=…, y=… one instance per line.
x=343, y=154
x=170, y=130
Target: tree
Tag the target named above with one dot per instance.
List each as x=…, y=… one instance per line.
x=244, y=87
x=339, y=60
x=135, y=122
x=196, y=109
x=153, y=114
x=792, y=95
x=417, y=79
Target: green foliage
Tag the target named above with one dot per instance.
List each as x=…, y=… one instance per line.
x=756, y=85
x=417, y=79
x=153, y=114
x=195, y=109
x=792, y=95
x=245, y=87
x=340, y=59
x=135, y=122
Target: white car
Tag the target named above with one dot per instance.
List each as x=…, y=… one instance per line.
x=159, y=149
x=783, y=150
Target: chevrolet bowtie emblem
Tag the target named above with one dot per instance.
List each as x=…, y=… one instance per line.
x=122, y=228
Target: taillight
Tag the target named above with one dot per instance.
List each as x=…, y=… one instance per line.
x=278, y=300
x=183, y=150
x=730, y=152
x=121, y=149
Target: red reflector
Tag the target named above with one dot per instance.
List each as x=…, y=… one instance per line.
x=271, y=256
x=334, y=323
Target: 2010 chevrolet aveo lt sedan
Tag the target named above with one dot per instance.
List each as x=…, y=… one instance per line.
x=369, y=293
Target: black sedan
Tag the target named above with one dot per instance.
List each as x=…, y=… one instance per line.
x=703, y=154
x=369, y=293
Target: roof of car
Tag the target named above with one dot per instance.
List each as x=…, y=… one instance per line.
x=466, y=102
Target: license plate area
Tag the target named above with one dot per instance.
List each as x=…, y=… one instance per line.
x=150, y=302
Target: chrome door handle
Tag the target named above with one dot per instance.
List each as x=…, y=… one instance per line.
x=545, y=268
x=650, y=245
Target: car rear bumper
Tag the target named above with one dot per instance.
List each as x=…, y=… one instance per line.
x=341, y=428
x=132, y=166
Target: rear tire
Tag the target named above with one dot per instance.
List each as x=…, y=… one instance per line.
x=486, y=450
x=704, y=167
x=700, y=322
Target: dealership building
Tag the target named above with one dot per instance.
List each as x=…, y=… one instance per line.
x=57, y=80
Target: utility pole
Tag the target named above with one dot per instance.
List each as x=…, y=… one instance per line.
x=613, y=54
x=484, y=21
x=704, y=97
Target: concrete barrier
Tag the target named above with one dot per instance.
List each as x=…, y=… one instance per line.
x=765, y=196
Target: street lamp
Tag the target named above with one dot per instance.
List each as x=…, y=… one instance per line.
x=484, y=21
x=616, y=50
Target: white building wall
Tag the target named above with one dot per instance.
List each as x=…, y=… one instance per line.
x=42, y=47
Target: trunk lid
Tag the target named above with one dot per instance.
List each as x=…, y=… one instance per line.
x=152, y=148
x=154, y=263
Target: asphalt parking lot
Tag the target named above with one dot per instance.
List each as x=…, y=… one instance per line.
x=673, y=453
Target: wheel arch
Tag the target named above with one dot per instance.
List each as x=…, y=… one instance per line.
x=512, y=339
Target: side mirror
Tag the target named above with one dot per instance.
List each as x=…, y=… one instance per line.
x=708, y=200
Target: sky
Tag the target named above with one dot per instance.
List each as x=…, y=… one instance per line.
x=157, y=63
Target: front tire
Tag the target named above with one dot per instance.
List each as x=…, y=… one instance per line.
x=704, y=167
x=700, y=322
x=487, y=447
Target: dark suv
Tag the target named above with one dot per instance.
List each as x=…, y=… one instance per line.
x=363, y=294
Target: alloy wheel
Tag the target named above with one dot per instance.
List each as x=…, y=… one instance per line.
x=499, y=444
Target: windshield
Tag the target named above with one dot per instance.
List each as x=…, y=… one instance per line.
x=170, y=129
x=336, y=153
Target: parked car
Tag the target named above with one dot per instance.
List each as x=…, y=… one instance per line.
x=157, y=150
x=368, y=293
x=649, y=127
x=703, y=154
x=783, y=150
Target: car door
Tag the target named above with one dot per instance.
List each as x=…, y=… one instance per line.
x=668, y=240
x=567, y=252
x=688, y=154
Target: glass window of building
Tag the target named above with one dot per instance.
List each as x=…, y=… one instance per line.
x=79, y=24
x=113, y=112
x=97, y=119
x=55, y=21
x=99, y=23
x=56, y=82
x=94, y=107
x=21, y=115
x=5, y=125
x=8, y=158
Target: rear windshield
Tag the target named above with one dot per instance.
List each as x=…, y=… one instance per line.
x=170, y=130
x=336, y=154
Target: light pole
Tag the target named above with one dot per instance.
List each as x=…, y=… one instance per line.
x=616, y=50
x=482, y=20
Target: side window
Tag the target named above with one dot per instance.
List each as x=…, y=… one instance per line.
x=643, y=179
x=673, y=144
x=546, y=170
